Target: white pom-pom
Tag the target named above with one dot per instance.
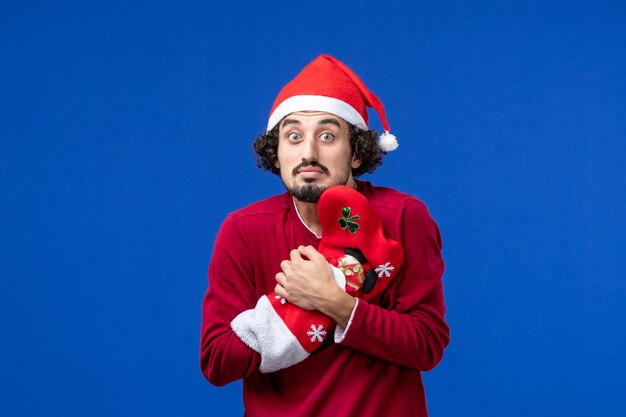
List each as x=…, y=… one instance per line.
x=387, y=142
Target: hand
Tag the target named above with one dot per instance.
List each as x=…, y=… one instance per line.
x=307, y=281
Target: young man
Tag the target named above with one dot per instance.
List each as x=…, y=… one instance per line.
x=317, y=138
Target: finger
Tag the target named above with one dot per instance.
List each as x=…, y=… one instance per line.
x=281, y=279
x=280, y=291
x=295, y=256
x=310, y=252
x=286, y=267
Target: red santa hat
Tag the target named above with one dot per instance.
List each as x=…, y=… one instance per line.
x=329, y=85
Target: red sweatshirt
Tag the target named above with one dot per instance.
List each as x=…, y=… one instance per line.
x=375, y=370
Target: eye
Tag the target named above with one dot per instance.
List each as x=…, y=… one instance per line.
x=294, y=137
x=327, y=136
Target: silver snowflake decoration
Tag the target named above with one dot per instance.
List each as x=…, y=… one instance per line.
x=384, y=269
x=282, y=300
x=317, y=333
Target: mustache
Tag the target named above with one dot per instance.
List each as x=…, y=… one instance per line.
x=315, y=164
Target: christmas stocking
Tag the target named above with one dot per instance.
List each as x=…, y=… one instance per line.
x=363, y=261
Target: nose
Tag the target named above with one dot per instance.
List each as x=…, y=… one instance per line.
x=309, y=149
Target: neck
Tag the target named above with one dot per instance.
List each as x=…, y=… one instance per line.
x=308, y=214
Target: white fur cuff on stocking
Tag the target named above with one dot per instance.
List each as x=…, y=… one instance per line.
x=265, y=332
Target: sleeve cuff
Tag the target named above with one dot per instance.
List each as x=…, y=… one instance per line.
x=340, y=332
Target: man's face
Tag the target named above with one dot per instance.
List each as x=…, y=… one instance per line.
x=314, y=154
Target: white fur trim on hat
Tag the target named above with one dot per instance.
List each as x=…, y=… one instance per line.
x=316, y=103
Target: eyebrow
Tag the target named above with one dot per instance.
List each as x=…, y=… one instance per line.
x=329, y=121
x=290, y=122
x=321, y=122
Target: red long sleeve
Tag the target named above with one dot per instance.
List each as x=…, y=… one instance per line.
x=224, y=357
x=410, y=330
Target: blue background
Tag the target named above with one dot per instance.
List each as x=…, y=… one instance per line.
x=125, y=139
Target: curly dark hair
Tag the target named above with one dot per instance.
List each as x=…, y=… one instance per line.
x=362, y=142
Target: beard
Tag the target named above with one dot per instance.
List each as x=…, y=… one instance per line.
x=309, y=193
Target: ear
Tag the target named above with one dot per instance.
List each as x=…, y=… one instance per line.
x=356, y=162
x=277, y=164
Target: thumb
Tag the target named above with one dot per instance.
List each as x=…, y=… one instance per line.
x=311, y=253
